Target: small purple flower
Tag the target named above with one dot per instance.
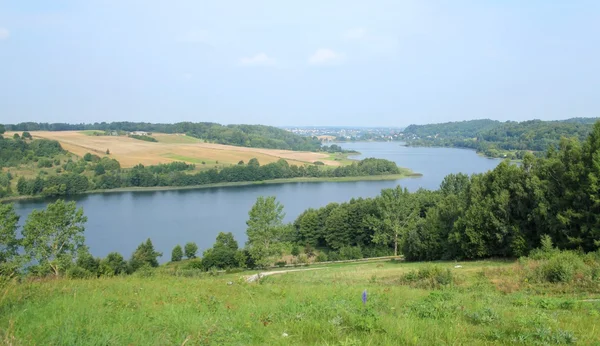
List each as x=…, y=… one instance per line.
x=364, y=297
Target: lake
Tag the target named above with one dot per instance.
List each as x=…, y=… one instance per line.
x=121, y=221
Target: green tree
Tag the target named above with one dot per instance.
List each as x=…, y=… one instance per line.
x=16, y=136
x=397, y=213
x=144, y=255
x=113, y=264
x=265, y=229
x=9, y=243
x=53, y=236
x=295, y=250
x=176, y=254
x=86, y=261
x=26, y=135
x=190, y=250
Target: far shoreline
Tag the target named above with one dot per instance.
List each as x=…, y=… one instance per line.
x=407, y=174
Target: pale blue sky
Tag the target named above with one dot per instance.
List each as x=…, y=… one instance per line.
x=368, y=63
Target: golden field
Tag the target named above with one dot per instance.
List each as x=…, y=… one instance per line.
x=174, y=147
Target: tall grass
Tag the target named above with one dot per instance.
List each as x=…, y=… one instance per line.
x=172, y=307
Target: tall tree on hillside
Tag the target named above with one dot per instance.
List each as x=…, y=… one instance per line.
x=176, y=254
x=190, y=250
x=265, y=228
x=53, y=236
x=397, y=213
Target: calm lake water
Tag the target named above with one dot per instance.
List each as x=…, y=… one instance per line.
x=121, y=221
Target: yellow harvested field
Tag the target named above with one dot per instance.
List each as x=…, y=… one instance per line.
x=173, y=147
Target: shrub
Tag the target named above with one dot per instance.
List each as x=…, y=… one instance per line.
x=302, y=259
x=195, y=263
x=350, y=253
x=321, y=257
x=429, y=277
x=561, y=266
x=295, y=250
x=145, y=271
x=77, y=272
x=280, y=263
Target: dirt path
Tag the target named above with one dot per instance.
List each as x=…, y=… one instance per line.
x=255, y=277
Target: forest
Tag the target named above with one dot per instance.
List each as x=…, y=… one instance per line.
x=499, y=139
x=255, y=136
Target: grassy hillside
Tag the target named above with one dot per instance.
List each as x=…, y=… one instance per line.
x=478, y=303
x=256, y=136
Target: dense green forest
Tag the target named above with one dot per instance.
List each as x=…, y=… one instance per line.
x=256, y=136
x=498, y=139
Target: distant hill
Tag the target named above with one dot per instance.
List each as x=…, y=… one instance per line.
x=499, y=139
x=255, y=136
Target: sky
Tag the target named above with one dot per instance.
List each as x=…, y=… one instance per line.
x=322, y=63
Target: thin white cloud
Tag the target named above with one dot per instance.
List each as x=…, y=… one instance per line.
x=4, y=33
x=326, y=56
x=193, y=36
x=260, y=59
x=356, y=34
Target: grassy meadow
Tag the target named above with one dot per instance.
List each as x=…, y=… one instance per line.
x=479, y=303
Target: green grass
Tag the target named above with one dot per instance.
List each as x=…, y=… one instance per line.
x=309, y=307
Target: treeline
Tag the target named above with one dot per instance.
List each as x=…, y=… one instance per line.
x=17, y=151
x=256, y=136
x=502, y=213
x=496, y=139
x=109, y=175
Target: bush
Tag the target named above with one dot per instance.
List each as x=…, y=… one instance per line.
x=429, y=277
x=280, y=263
x=78, y=273
x=145, y=271
x=560, y=268
x=195, y=263
x=350, y=253
x=302, y=259
x=321, y=257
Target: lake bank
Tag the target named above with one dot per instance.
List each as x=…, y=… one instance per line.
x=408, y=174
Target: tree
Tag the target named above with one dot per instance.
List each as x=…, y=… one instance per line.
x=295, y=250
x=16, y=136
x=53, y=236
x=8, y=235
x=86, y=261
x=113, y=264
x=190, y=250
x=397, y=213
x=223, y=254
x=87, y=157
x=26, y=135
x=265, y=228
x=176, y=254
x=144, y=255
x=107, y=152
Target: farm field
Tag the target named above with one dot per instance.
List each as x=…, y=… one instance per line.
x=172, y=147
x=480, y=303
